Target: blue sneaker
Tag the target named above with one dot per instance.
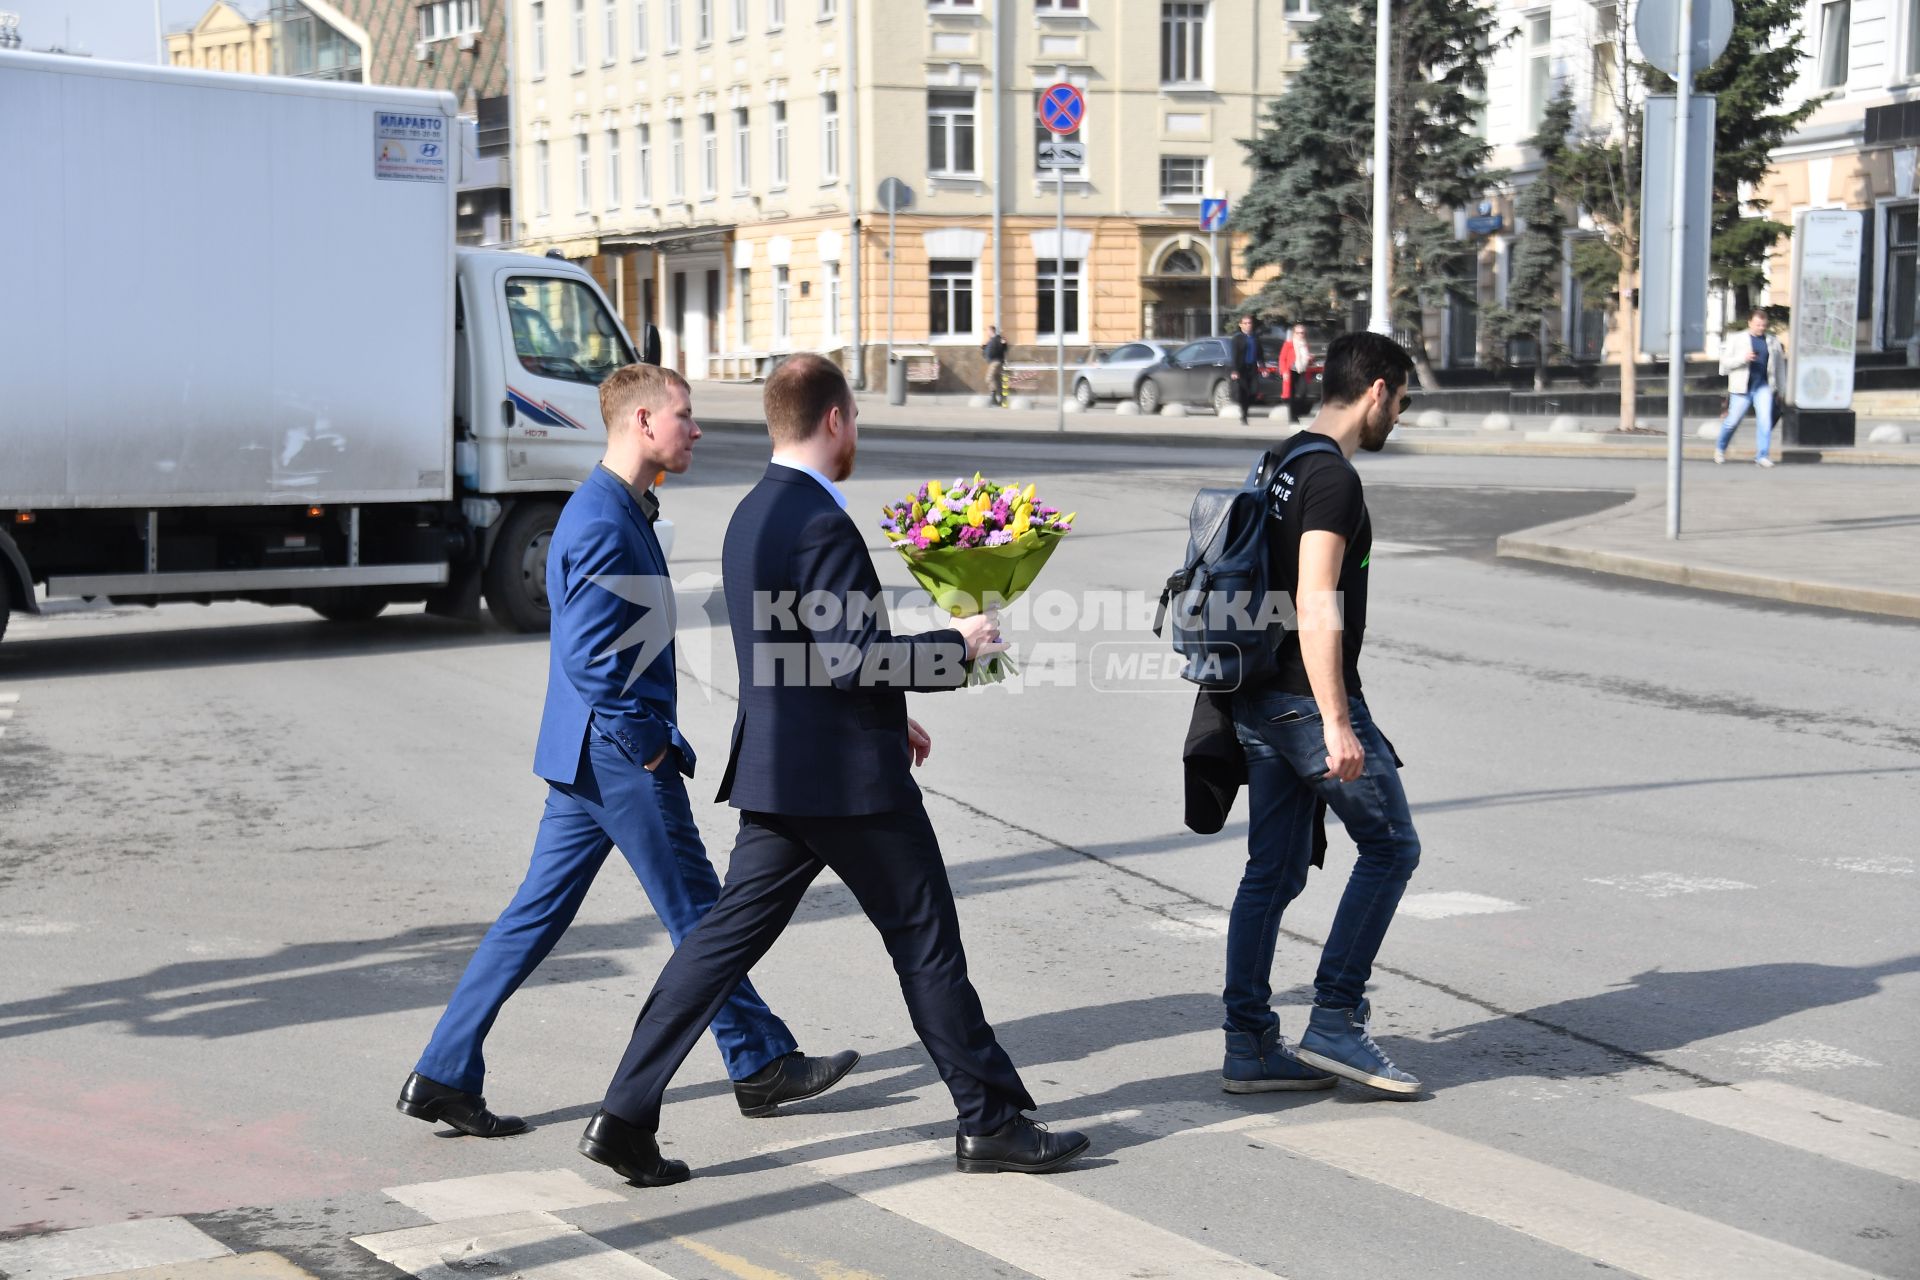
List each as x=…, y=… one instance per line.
x=1261, y=1064
x=1336, y=1040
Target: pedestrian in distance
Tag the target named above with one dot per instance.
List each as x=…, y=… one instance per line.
x=821, y=771
x=1755, y=363
x=1296, y=354
x=1309, y=740
x=1243, y=365
x=616, y=765
x=995, y=350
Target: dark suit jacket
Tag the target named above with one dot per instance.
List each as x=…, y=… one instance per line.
x=822, y=726
x=1243, y=353
x=605, y=573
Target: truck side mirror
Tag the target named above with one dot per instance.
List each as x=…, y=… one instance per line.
x=650, y=345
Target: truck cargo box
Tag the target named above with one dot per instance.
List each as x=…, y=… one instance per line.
x=223, y=289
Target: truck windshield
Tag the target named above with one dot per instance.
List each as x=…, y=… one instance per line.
x=560, y=329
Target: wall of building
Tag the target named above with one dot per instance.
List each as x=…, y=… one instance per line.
x=224, y=39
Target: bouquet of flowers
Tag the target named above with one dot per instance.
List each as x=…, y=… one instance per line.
x=975, y=544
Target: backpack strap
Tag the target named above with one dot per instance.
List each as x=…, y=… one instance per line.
x=1271, y=463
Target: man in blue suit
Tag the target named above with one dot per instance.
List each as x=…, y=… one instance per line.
x=615, y=764
x=821, y=770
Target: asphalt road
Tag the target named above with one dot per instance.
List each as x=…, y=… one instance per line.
x=1658, y=965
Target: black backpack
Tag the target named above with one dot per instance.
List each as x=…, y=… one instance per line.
x=1224, y=624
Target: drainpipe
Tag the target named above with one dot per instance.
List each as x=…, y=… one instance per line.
x=850, y=115
x=999, y=160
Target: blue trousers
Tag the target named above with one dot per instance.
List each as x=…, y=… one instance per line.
x=613, y=802
x=1285, y=743
x=1761, y=398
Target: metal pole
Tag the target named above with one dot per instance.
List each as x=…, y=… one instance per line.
x=1213, y=284
x=160, y=32
x=1380, y=319
x=1060, y=295
x=999, y=164
x=1677, y=248
x=892, y=205
x=852, y=117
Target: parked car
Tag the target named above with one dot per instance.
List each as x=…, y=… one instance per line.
x=1198, y=373
x=1113, y=375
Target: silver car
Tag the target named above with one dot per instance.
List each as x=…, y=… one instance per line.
x=1113, y=375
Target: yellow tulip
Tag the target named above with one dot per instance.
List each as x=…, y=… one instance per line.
x=931, y=533
x=1026, y=494
x=1068, y=518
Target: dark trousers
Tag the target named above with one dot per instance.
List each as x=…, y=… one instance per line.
x=891, y=863
x=1246, y=389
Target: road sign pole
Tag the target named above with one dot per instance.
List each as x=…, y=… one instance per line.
x=890, y=224
x=1213, y=284
x=1381, y=321
x=1060, y=297
x=1677, y=250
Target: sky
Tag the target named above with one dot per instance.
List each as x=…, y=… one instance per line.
x=119, y=29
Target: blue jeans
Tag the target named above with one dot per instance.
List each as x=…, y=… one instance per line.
x=1285, y=744
x=1761, y=398
x=613, y=802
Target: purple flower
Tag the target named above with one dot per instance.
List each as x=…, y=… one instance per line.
x=999, y=538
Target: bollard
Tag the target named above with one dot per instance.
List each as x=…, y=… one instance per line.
x=896, y=382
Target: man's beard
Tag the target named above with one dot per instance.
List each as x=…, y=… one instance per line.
x=846, y=460
x=1374, y=432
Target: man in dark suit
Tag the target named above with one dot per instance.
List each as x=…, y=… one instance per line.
x=1243, y=364
x=821, y=771
x=614, y=761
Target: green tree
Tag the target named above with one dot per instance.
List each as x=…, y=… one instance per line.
x=1538, y=249
x=1309, y=211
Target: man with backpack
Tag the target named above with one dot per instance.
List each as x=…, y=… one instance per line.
x=1309, y=740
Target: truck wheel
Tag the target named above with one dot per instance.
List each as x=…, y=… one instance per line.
x=516, y=577
x=351, y=605
x=6, y=600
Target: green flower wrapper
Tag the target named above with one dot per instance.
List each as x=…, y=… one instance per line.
x=965, y=580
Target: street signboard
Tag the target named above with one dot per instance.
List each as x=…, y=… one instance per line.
x=1213, y=215
x=1063, y=155
x=1826, y=302
x=1485, y=224
x=1061, y=108
x=895, y=195
x=1656, y=233
x=1656, y=24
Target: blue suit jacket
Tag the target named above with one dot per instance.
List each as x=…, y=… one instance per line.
x=606, y=575
x=819, y=736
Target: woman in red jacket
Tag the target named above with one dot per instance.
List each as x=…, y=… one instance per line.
x=1295, y=359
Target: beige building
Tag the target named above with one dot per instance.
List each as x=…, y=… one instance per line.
x=224, y=39
x=718, y=163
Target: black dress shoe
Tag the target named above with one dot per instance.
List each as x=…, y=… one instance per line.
x=1018, y=1146
x=790, y=1079
x=434, y=1102
x=632, y=1153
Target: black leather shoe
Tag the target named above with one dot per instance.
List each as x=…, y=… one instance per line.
x=1019, y=1146
x=790, y=1079
x=632, y=1153
x=437, y=1103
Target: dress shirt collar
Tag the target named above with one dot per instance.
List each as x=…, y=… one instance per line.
x=649, y=503
x=833, y=490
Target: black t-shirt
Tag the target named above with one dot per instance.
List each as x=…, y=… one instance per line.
x=1319, y=491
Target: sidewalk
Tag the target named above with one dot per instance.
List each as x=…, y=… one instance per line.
x=1843, y=538
x=735, y=403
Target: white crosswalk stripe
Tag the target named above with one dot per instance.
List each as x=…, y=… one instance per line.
x=1623, y=1230
x=7, y=703
x=1862, y=1136
x=119, y=1246
x=531, y=1246
x=492, y=1194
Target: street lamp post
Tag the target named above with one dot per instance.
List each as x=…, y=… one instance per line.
x=1381, y=318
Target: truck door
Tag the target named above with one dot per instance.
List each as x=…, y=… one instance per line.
x=565, y=343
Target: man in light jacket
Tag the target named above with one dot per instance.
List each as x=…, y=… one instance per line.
x=1755, y=363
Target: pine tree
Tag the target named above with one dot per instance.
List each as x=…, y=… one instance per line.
x=1309, y=210
x=1533, y=289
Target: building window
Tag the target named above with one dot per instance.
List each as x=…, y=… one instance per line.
x=1836, y=39
x=1539, y=68
x=542, y=178
x=830, y=322
x=782, y=309
x=444, y=19
x=579, y=35
x=703, y=21
x=1182, y=178
x=743, y=306
x=613, y=168
x=1604, y=109
x=709, y=157
x=950, y=128
x=1301, y=10
x=950, y=298
x=1912, y=67
x=1058, y=6
x=776, y=14
x=673, y=26
x=582, y=172
x=539, y=25
x=738, y=11
x=643, y=164
x=609, y=31
x=742, y=152
x=677, y=161
x=639, y=28
x=829, y=9
x=829, y=137
x=1041, y=135
x=1183, y=42
x=779, y=145
x=1048, y=270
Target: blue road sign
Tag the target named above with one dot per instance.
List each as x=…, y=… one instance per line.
x=1213, y=215
x=1062, y=108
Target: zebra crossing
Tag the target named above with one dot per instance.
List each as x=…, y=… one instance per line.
x=8, y=702
x=579, y=1224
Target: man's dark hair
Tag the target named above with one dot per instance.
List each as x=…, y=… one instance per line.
x=799, y=393
x=1762, y=312
x=1355, y=361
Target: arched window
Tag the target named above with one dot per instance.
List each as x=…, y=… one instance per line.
x=1181, y=262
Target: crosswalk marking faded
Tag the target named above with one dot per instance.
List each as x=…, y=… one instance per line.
x=492, y=1194
x=529, y=1246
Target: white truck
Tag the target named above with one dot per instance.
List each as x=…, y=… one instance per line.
x=243, y=358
